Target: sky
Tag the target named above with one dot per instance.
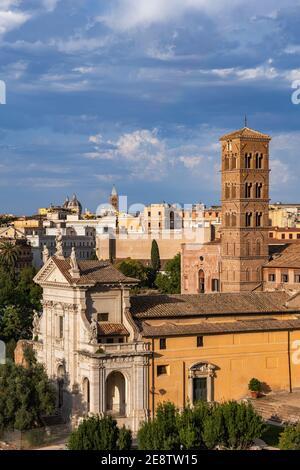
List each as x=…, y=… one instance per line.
x=136, y=93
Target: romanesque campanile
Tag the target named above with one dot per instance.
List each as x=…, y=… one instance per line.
x=245, y=203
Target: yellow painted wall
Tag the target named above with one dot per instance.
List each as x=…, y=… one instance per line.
x=238, y=358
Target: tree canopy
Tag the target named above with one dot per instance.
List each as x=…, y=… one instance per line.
x=169, y=282
x=26, y=394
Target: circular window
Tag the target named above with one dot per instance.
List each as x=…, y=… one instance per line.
x=201, y=258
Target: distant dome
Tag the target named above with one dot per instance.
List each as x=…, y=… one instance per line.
x=75, y=204
x=66, y=203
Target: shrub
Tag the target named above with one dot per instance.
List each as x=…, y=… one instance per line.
x=96, y=433
x=241, y=425
x=124, y=439
x=213, y=433
x=255, y=385
x=290, y=438
x=161, y=433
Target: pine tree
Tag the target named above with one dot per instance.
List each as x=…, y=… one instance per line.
x=155, y=258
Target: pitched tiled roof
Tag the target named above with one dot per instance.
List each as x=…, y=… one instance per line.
x=289, y=257
x=161, y=306
x=204, y=328
x=245, y=133
x=112, y=329
x=93, y=272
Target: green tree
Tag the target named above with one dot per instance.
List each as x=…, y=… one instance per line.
x=169, y=282
x=97, y=433
x=8, y=255
x=290, y=438
x=133, y=268
x=26, y=394
x=155, y=257
x=19, y=296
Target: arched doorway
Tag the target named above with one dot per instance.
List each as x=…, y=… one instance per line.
x=116, y=394
x=201, y=282
x=60, y=386
x=86, y=392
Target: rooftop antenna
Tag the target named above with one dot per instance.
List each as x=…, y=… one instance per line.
x=246, y=121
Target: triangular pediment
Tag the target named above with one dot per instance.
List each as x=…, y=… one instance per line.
x=50, y=273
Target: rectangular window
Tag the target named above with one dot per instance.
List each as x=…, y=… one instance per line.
x=271, y=235
x=297, y=278
x=272, y=278
x=284, y=278
x=283, y=236
x=109, y=340
x=215, y=285
x=162, y=370
x=298, y=236
x=290, y=236
x=199, y=341
x=162, y=343
x=102, y=316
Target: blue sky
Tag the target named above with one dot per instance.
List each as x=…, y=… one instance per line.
x=137, y=93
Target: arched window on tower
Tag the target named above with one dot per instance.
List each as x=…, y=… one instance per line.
x=234, y=163
x=258, y=190
x=248, y=188
x=258, y=219
x=259, y=161
x=227, y=220
x=248, y=219
x=227, y=191
x=248, y=159
x=233, y=219
x=226, y=163
x=258, y=247
x=233, y=191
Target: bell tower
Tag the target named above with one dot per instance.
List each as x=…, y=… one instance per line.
x=114, y=199
x=245, y=209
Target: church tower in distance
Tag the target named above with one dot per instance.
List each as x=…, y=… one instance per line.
x=114, y=199
x=245, y=209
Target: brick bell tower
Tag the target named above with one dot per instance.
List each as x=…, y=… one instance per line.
x=245, y=209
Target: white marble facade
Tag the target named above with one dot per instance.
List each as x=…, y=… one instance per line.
x=89, y=343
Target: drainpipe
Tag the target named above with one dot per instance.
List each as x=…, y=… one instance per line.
x=153, y=380
x=289, y=362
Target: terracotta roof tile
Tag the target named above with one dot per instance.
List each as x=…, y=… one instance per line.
x=245, y=133
x=203, y=328
x=161, y=306
x=93, y=272
x=289, y=257
x=112, y=329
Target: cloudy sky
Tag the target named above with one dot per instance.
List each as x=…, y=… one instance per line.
x=137, y=93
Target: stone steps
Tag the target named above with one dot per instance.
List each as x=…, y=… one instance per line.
x=277, y=412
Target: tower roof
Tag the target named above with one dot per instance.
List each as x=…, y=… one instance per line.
x=114, y=191
x=246, y=133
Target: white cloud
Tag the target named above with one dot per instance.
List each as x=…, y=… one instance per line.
x=10, y=20
x=129, y=14
x=50, y=5
x=191, y=162
x=96, y=139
